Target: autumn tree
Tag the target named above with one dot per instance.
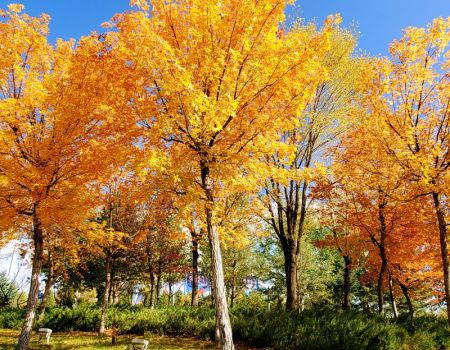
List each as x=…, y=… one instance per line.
x=61, y=250
x=323, y=119
x=196, y=236
x=365, y=185
x=239, y=228
x=118, y=222
x=216, y=82
x=363, y=203
x=415, y=259
x=162, y=243
x=343, y=243
x=407, y=96
x=53, y=121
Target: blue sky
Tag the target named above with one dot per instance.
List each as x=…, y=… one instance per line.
x=378, y=21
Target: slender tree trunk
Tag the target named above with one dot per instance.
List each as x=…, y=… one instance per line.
x=151, y=302
x=47, y=290
x=114, y=291
x=233, y=284
x=195, y=255
x=392, y=297
x=158, y=284
x=382, y=251
x=170, y=290
x=38, y=240
x=114, y=298
x=222, y=316
x=291, y=270
x=347, y=283
x=444, y=249
x=102, y=328
x=408, y=299
x=301, y=227
x=380, y=288
x=114, y=326
x=213, y=304
x=110, y=297
x=152, y=279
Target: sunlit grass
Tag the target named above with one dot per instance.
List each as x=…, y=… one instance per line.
x=90, y=341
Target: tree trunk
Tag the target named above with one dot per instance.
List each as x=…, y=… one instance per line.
x=347, y=283
x=392, y=297
x=444, y=250
x=47, y=290
x=152, y=276
x=113, y=293
x=382, y=252
x=233, y=284
x=195, y=255
x=288, y=222
x=38, y=240
x=158, y=284
x=291, y=270
x=102, y=328
x=111, y=288
x=213, y=304
x=152, y=279
x=114, y=326
x=408, y=299
x=170, y=290
x=151, y=302
x=222, y=316
x=380, y=288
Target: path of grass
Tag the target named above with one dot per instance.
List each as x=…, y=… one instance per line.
x=90, y=341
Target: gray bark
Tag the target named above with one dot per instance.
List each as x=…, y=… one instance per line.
x=222, y=317
x=102, y=328
x=38, y=240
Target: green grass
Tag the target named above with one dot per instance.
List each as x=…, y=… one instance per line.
x=90, y=341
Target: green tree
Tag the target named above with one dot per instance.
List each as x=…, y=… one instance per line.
x=8, y=290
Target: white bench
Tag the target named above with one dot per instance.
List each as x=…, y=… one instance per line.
x=139, y=344
x=45, y=333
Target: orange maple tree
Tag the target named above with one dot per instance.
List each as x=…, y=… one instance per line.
x=55, y=128
x=406, y=101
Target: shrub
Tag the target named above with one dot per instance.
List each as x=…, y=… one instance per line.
x=11, y=317
x=317, y=328
x=83, y=317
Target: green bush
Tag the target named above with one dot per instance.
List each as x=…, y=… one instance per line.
x=317, y=328
x=327, y=328
x=429, y=330
x=83, y=317
x=172, y=321
x=11, y=317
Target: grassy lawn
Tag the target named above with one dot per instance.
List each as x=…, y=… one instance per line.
x=90, y=341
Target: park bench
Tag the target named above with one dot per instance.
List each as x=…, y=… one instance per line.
x=45, y=333
x=139, y=344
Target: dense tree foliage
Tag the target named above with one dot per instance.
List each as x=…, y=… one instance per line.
x=210, y=147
